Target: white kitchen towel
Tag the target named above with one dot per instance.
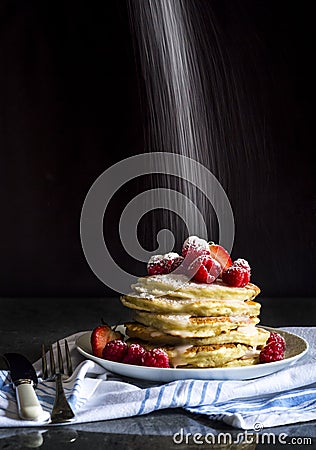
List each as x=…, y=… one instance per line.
x=288, y=396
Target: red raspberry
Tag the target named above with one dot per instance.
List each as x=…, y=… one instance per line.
x=276, y=337
x=115, y=350
x=162, y=264
x=205, y=269
x=194, y=247
x=156, y=265
x=172, y=261
x=156, y=358
x=242, y=263
x=271, y=352
x=236, y=276
x=134, y=355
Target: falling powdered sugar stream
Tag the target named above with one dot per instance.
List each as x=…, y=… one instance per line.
x=195, y=102
x=174, y=90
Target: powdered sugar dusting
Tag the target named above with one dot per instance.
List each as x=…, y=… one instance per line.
x=240, y=262
x=180, y=286
x=155, y=259
x=171, y=255
x=176, y=282
x=195, y=244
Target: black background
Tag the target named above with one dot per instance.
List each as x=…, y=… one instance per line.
x=70, y=107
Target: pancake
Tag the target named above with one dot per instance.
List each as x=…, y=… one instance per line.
x=195, y=306
x=207, y=355
x=187, y=326
x=178, y=286
x=197, y=324
x=250, y=335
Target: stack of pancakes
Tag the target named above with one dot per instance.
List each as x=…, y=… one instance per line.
x=197, y=324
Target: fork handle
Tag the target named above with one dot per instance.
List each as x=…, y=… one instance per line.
x=62, y=411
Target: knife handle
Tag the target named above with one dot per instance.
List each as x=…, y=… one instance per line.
x=28, y=404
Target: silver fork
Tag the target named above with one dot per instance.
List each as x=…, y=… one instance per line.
x=62, y=411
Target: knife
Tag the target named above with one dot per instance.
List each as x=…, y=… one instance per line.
x=24, y=379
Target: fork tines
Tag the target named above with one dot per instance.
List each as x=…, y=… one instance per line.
x=60, y=359
x=44, y=363
x=53, y=368
x=68, y=359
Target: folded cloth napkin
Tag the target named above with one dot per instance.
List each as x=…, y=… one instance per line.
x=288, y=396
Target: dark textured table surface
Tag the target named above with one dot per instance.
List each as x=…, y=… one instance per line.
x=26, y=323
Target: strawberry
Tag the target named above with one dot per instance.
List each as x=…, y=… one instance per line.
x=100, y=336
x=221, y=255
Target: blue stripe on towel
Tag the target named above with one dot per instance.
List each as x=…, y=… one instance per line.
x=203, y=392
x=160, y=395
x=173, y=401
x=218, y=391
x=189, y=393
x=142, y=406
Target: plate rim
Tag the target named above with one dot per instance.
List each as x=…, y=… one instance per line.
x=253, y=367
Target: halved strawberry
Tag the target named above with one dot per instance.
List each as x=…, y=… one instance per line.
x=221, y=255
x=100, y=336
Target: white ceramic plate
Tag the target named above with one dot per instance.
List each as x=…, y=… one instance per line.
x=296, y=348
